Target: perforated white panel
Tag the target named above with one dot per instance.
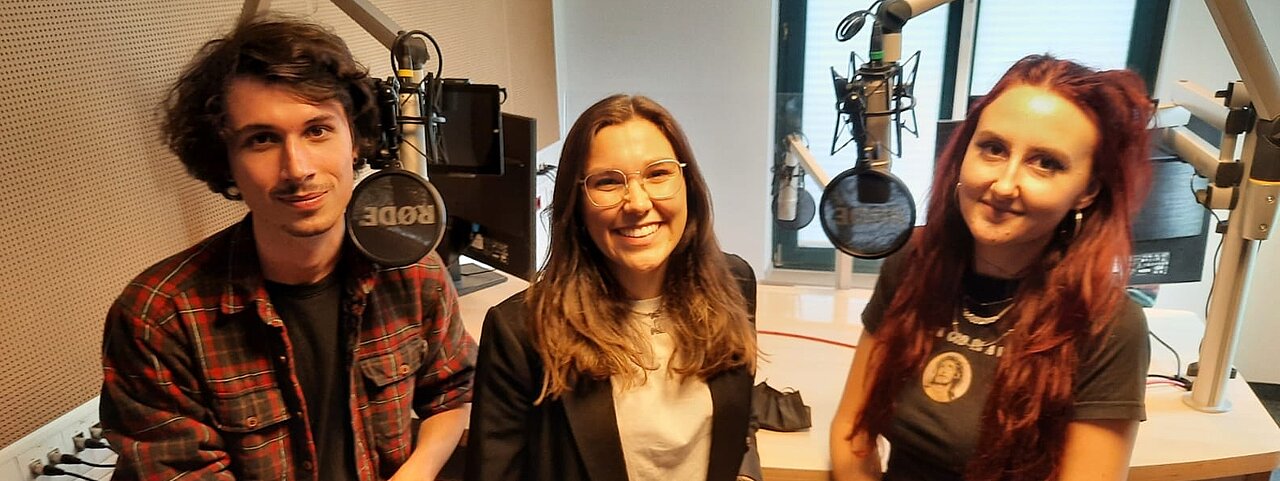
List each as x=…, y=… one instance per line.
x=90, y=196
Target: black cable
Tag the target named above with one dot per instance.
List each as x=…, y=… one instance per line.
x=1213, y=273
x=845, y=30
x=92, y=443
x=56, y=471
x=1180, y=381
x=1213, y=279
x=415, y=148
x=425, y=86
x=1217, y=221
x=72, y=459
x=395, y=63
x=1177, y=371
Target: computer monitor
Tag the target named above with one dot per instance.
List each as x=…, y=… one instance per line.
x=491, y=218
x=472, y=130
x=1171, y=229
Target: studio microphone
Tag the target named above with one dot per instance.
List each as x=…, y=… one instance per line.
x=866, y=211
x=787, y=193
x=793, y=207
x=395, y=217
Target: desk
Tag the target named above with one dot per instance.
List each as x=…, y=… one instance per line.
x=1175, y=443
x=473, y=306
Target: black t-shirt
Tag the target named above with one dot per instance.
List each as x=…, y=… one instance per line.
x=936, y=421
x=311, y=314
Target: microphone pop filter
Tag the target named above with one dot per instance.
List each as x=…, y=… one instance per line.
x=395, y=217
x=867, y=213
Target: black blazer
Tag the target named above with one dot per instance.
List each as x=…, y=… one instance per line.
x=576, y=437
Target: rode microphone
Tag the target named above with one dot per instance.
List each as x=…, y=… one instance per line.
x=395, y=217
x=866, y=211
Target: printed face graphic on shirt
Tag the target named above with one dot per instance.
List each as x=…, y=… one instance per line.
x=946, y=377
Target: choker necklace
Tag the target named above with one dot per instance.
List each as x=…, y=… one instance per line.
x=654, y=328
x=985, y=320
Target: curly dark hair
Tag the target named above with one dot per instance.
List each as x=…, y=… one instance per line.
x=308, y=58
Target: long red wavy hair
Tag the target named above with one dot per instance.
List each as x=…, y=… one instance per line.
x=1067, y=300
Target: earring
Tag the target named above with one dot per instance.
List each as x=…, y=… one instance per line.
x=233, y=191
x=1079, y=222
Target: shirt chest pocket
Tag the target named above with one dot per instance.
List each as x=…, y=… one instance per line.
x=390, y=368
x=390, y=379
x=252, y=424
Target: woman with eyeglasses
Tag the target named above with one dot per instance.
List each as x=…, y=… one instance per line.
x=1000, y=344
x=632, y=356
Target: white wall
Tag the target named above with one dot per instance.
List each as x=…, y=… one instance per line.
x=710, y=63
x=1194, y=50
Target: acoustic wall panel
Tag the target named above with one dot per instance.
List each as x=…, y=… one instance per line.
x=90, y=196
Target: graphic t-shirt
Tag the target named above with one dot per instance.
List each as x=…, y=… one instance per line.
x=937, y=418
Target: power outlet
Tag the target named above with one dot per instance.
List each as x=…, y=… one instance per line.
x=74, y=437
x=54, y=456
x=17, y=457
x=35, y=458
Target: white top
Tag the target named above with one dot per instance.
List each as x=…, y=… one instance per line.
x=664, y=419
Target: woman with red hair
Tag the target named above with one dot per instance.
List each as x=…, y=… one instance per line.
x=1016, y=286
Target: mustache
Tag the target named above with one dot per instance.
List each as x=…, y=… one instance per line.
x=296, y=188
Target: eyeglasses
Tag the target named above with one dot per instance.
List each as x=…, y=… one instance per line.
x=661, y=180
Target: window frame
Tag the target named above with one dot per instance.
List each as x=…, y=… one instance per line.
x=1146, y=41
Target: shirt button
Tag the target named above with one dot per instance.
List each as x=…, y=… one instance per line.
x=297, y=413
x=404, y=369
x=251, y=421
x=307, y=466
x=282, y=359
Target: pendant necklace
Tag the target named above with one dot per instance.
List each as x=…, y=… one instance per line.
x=654, y=328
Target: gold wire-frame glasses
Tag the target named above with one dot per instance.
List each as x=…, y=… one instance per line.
x=661, y=179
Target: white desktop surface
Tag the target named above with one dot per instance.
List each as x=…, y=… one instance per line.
x=1175, y=443
x=473, y=306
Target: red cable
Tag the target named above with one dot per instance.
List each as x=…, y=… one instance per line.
x=808, y=338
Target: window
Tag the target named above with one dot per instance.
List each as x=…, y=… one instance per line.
x=1099, y=33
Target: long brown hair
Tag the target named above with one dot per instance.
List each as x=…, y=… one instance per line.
x=1067, y=300
x=576, y=306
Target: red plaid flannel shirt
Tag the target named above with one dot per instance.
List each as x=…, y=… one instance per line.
x=198, y=380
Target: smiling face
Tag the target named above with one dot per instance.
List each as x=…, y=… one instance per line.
x=639, y=234
x=291, y=159
x=1028, y=164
